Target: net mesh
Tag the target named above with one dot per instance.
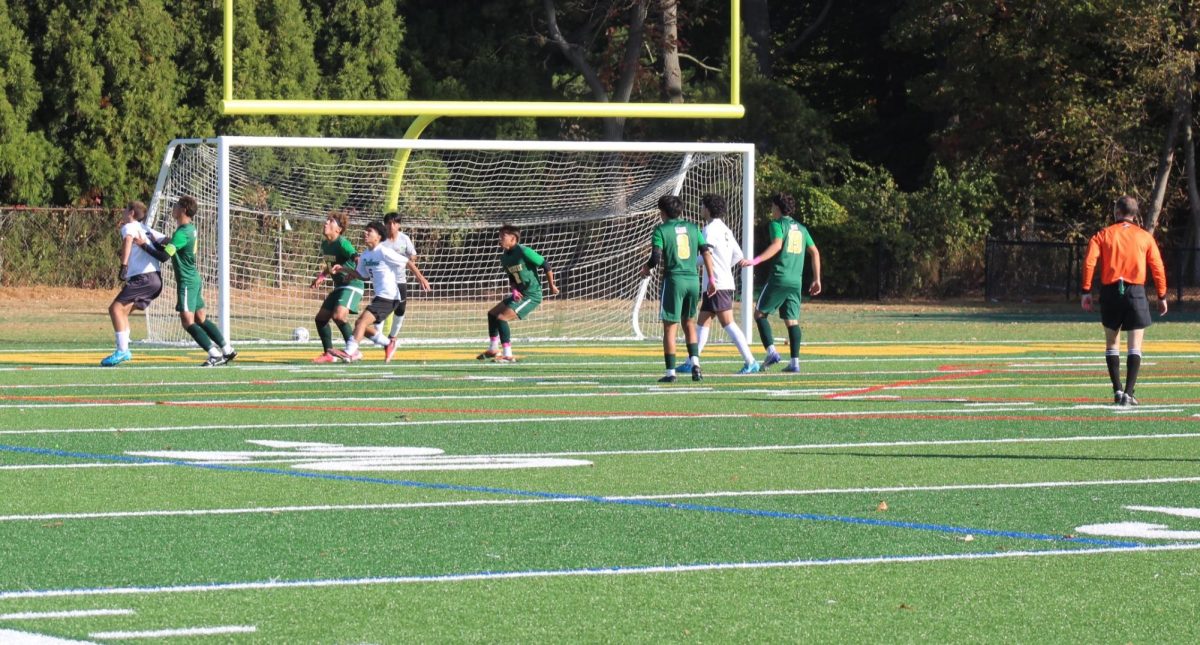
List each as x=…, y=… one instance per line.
x=590, y=214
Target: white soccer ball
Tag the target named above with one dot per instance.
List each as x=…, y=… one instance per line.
x=300, y=334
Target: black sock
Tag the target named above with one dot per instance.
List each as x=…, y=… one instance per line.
x=326, y=334
x=201, y=337
x=764, y=332
x=347, y=331
x=1134, y=362
x=493, y=326
x=693, y=349
x=1112, y=358
x=794, y=340
x=505, y=332
x=214, y=332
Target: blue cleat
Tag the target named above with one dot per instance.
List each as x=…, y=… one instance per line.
x=751, y=368
x=771, y=359
x=116, y=358
x=792, y=370
x=686, y=368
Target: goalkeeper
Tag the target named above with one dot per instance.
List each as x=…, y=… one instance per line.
x=521, y=263
x=347, y=292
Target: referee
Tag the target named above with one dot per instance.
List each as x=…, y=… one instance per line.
x=1124, y=250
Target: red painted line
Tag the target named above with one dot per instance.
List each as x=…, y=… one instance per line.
x=932, y=379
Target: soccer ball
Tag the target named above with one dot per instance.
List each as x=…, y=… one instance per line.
x=300, y=334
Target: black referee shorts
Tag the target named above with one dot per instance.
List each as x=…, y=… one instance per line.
x=1124, y=311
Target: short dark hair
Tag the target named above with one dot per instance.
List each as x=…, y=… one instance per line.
x=138, y=208
x=785, y=202
x=377, y=227
x=188, y=204
x=715, y=205
x=1126, y=207
x=391, y=217
x=511, y=230
x=671, y=205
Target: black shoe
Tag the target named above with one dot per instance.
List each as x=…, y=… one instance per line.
x=1128, y=400
x=1118, y=397
x=669, y=378
x=696, y=375
x=213, y=361
x=230, y=356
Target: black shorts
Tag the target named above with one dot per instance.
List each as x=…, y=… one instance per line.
x=718, y=302
x=1124, y=311
x=141, y=290
x=381, y=308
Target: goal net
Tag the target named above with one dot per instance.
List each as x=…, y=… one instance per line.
x=589, y=208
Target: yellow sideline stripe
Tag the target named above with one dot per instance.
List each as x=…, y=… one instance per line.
x=419, y=354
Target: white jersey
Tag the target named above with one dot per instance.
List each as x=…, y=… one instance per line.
x=381, y=265
x=139, y=260
x=404, y=246
x=726, y=253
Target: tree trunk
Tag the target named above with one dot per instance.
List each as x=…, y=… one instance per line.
x=756, y=17
x=1189, y=152
x=672, y=76
x=614, y=129
x=1166, y=160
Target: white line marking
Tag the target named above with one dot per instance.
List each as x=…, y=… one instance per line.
x=76, y=613
x=13, y=637
x=74, y=466
x=187, y=631
x=518, y=502
x=614, y=571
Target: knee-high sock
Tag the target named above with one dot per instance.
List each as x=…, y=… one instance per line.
x=326, y=334
x=693, y=351
x=505, y=332
x=201, y=337
x=493, y=327
x=397, y=323
x=739, y=340
x=794, y=340
x=764, y=332
x=347, y=331
x=1112, y=358
x=214, y=332
x=1133, y=364
x=701, y=338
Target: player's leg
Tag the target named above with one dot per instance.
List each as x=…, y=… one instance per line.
x=228, y=353
x=367, y=318
x=671, y=302
x=790, y=312
x=1112, y=359
x=691, y=300
x=504, y=317
x=341, y=318
x=118, y=312
x=769, y=300
x=493, y=317
x=738, y=339
x=1133, y=363
x=1137, y=319
x=397, y=319
x=668, y=343
x=325, y=331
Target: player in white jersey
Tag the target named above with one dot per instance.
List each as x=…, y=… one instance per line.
x=381, y=265
x=400, y=242
x=726, y=253
x=141, y=273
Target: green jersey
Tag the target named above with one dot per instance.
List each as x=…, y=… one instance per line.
x=680, y=242
x=182, y=249
x=788, y=268
x=340, y=251
x=521, y=263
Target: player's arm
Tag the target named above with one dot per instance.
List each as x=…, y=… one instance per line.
x=126, y=249
x=535, y=259
x=814, y=289
x=418, y=275
x=772, y=249
x=352, y=271
x=706, y=254
x=1159, y=272
x=1089, y=271
x=656, y=251
x=163, y=252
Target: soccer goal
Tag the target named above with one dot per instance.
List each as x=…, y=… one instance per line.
x=589, y=208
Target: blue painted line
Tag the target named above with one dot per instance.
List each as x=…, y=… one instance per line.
x=513, y=492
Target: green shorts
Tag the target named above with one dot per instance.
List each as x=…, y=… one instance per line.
x=679, y=299
x=345, y=296
x=189, y=297
x=525, y=305
x=782, y=298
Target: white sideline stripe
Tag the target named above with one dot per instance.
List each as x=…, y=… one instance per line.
x=187, y=631
x=169, y=384
x=76, y=613
x=518, y=502
x=13, y=637
x=561, y=573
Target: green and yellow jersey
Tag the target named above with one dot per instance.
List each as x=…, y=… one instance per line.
x=521, y=264
x=788, y=266
x=340, y=251
x=680, y=242
x=182, y=249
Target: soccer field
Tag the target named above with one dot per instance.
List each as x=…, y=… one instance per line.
x=970, y=482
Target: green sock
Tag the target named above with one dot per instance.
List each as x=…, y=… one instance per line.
x=197, y=332
x=214, y=332
x=326, y=334
x=505, y=332
x=347, y=331
x=493, y=327
x=693, y=349
x=670, y=359
x=764, y=332
x=794, y=340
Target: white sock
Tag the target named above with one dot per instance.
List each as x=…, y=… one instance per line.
x=703, y=339
x=739, y=341
x=228, y=349
x=671, y=372
x=351, y=346
x=795, y=362
x=494, y=343
x=508, y=350
x=214, y=351
x=771, y=350
x=123, y=341
x=694, y=360
x=397, y=323
x=379, y=339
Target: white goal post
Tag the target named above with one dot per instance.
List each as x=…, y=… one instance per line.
x=588, y=207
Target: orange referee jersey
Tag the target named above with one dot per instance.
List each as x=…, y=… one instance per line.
x=1124, y=250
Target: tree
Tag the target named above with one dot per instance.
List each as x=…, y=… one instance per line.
x=28, y=161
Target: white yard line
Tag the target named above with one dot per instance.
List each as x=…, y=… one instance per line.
x=76, y=613
x=255, y=510
x=562, y=573
x=168, y=633
x=13, y=637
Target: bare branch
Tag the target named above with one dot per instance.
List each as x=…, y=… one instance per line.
x=573, y=53
x=809, y=31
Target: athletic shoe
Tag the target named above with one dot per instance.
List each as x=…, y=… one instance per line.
x=213, y=361
x=1118, y=396
x=670, y=378
x=353, y=358
x=686, y=368
x=751, y=368
x=505, y=359
x=340, y=354
x=696, y=375
x=230, y=356
x=1127, y=400
x=389, y=351
x=771, y=359
x=116, y=358
x=791, y=370
x=491, y=353
x=327, y=357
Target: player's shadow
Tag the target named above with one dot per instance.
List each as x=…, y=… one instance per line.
x=875, y=455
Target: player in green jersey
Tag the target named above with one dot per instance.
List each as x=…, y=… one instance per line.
x=347, y=293
x=521, y=264
x=675, y=244
x=181, y=249
x=790, y=244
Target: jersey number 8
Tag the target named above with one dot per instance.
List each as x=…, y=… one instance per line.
x=683, y=246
